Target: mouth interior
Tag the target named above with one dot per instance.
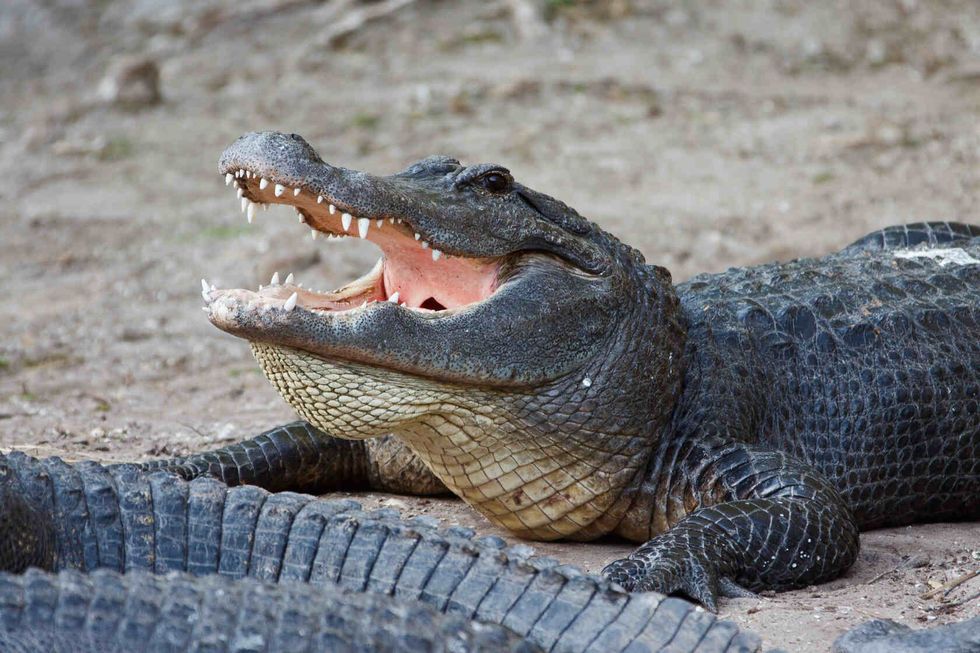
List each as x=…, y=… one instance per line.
x=412, y=272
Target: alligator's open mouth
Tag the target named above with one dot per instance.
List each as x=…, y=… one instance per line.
x=413, y=272
x=471, y=264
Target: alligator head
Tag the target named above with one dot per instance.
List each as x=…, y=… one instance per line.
x=525, y=355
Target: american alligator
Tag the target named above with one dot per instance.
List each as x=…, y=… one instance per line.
x=745, y=425
x=86, y=517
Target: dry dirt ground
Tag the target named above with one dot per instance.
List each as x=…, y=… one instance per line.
x=709, y=134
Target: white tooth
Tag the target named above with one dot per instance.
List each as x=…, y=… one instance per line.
x=363, y=224
x=425, y=245
x=379, y=223
x=399, y=220
x=436, y=254
x=332, y=209
x=248, y=174
x=319, y=199
x=313, y=234
x=228, y=178
x=275, y=279
x=391, y=221
x=417, y=236
x=299, y=285
x=205, y=309
x=245, y=204
x=251, y=212
x=213, y=287
x=280, y=189
x=300, y=217
x=260, y=287
x=394, y=297
x=289, y=278
x=240, y=193
x=290, y=303
x=296, y=192
x=345, y=219
x=362, y=305
x=263, y=183
x=204, y=286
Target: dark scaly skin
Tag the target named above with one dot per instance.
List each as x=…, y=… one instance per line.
x=746, y=425
x=109, y=612
x=121, y=518
x=824, y=397
x=886, y=636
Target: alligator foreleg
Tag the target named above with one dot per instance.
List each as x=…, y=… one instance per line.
x=733, y=517
x=301, y=458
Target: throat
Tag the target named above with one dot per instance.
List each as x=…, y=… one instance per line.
x=422, y=283
x=535, y=487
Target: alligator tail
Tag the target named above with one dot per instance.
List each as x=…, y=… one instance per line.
x=125, y=519
x=933, y=234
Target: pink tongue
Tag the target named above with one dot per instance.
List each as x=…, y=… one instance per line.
x=410, y=271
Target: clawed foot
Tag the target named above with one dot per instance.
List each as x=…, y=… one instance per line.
x=674, y=571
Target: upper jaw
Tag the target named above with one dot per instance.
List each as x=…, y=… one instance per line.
x=284, y=170
x=426, y=204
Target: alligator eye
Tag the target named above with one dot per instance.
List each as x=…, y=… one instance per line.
x=495, y=182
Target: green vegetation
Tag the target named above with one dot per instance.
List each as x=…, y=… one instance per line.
x=364, y=120
x=116, y=148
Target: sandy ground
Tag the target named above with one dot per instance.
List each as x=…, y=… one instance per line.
x=708, y=134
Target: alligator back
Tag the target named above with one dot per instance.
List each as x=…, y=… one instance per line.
x=864, y=363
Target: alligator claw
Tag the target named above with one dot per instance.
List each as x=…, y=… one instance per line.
x=674, y=572
x=732, y=590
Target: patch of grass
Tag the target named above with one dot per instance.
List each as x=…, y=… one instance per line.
x=364, y=120
x=478, y=37
x=823, y=177
x=4, y=363
x=116, y=148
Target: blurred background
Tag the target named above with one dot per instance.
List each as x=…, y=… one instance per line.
x=708, y=134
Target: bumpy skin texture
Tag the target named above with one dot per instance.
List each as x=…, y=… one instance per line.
x=109, y=612
x=821, y=397
x=126, y=519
